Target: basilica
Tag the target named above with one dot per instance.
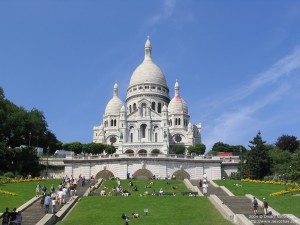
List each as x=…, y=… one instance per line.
x=149, y=122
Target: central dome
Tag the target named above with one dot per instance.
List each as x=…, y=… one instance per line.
x=148, y=71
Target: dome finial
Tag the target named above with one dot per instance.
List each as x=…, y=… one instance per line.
x=116, y=89
x=148, y=48
x=176, y=88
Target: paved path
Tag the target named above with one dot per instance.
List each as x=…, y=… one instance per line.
x=242, y=205
x=35, y=213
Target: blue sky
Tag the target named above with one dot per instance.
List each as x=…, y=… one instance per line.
x=237, y=62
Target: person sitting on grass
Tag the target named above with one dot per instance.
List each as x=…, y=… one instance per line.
x=135, y=215
x=125, y=217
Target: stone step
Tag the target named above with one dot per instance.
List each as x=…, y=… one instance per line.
x=242, y=205
x=35, y=212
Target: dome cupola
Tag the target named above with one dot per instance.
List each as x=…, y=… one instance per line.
x=148, y=77
x=114, y=106
x=177, y=105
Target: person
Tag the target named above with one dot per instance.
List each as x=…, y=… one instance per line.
x=53, y=201
x=5, y=217
x=200, y=183
x=135, y=188
x=161, y=192
x=265, y=206
x=13, y=216
x=135, y=215
x=42, y=202
x=205, y=177
x=125, y=217
x=52, y=189
x=47, y=203
x=254, y=205
x=38, y=189
x=19, y=218
x=44, y=189
x=204, y=187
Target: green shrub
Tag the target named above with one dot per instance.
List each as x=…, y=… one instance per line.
x=9, y=175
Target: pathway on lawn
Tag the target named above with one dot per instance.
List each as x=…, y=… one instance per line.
x=242, y=205
x=34, y=213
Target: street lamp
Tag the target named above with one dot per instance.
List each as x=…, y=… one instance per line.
x=241, y=159
x=48, y=149
x=29, y=138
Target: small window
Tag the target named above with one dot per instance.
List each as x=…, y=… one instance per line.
x=153, y=106
x=158, y=88
x=159, y=108
x=152, y=87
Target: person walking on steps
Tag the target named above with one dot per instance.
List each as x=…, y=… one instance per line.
x=265, y=206
x=254, y=205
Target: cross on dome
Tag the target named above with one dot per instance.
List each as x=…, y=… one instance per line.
x=116, y=89
x=176, y=88
x=148, y=49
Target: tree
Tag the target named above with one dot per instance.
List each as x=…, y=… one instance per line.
x=2, y=95
x=179, y=149
x=287, y=142
x=258, y=161
x=110, y=149
x=280, y=161
x=198, y=149
x=222, y=147
x=75, y=146
x=94, y=148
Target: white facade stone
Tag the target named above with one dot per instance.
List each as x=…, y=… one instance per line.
x=149, y=122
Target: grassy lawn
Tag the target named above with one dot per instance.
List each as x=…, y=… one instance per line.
x=25, y=191
x=175, y=210
x=284, y=204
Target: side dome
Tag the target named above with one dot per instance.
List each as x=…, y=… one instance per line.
x=114, y=106
x=148, y=71
x=177, y=105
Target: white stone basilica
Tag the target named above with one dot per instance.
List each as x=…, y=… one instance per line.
x=149, y=123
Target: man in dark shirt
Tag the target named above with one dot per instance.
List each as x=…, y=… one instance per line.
x=13, y=215
x=5, y=217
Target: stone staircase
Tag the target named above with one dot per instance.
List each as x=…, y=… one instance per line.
x=242, y=205
x=34, y=213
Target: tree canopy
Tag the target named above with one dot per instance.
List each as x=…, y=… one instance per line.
x=258, y=161
x=287, y=142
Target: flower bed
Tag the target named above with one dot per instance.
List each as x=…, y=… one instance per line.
x=7, y=193
x=269, y=182
x=283, y=192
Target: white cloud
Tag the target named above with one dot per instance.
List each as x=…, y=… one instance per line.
x=280, y=69
x=167, y=12
x=239, y=112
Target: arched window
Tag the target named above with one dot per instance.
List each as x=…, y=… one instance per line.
x=134, y=106
x=130, y=109
x=155, y=137
x=159, y=107
x=131, y=137
x=115, y=122
x=111, y=123
x=178, y=121
x=153, y=106
x=143, y=130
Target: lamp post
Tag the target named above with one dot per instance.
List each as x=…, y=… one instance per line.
x=48, y=149
x=241, y=159
x=29, y=138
